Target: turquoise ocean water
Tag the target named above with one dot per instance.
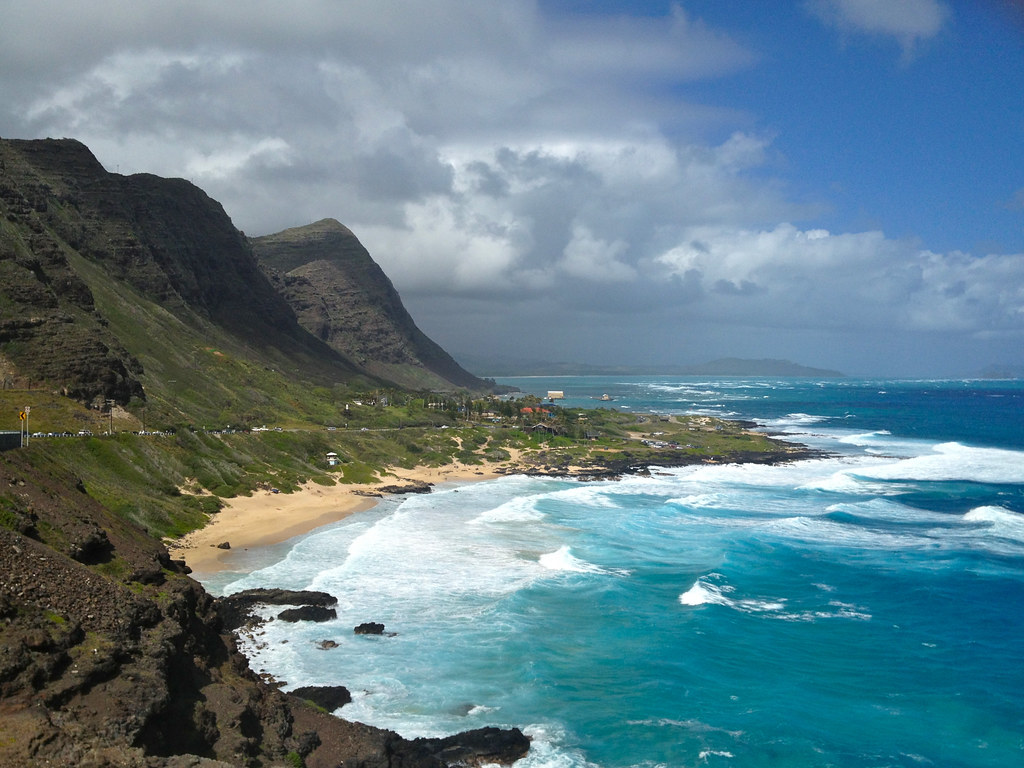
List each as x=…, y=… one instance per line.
x=865, y=609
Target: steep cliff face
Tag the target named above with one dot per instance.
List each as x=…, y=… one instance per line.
x=111, y=656
x=341, y=295
x=165, y=238
x=49, y=328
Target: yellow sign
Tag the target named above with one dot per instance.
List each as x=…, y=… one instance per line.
x=22, y=416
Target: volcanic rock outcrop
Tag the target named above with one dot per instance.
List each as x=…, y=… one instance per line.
x=110, y=655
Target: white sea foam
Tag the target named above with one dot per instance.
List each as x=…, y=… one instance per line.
x=1001, y=522
x=480, y=709
x=522, y=509
x=760, y=475
x=954, y=461
x=707, y=500
x=888, y=510
x=693, y=725
x=865, y=437
x=793, y=420
x=882, y=442
x=563, y=560
x=705, y=754
x=819, y=531
x=835, y=610
x=586, y=495
x=548, y=750
x=855, y=475
x=705, y=592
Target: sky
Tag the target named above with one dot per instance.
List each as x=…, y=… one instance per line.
x=835, y=182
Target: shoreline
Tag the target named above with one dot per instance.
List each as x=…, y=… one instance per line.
x=266, y=518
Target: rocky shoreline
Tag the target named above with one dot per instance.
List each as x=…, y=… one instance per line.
x=111, y=655
x=597, y=467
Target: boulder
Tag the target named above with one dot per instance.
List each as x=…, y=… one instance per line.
x=308, y=613
x=479, y=747
x=329, y=697
x=237, y=610
x=369, y=628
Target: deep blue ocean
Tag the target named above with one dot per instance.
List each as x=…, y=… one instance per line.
x=865, y=609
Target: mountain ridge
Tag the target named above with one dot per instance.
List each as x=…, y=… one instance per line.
x=343, y=297
x=125, y=288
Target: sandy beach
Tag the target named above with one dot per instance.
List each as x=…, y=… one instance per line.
x=268, y=518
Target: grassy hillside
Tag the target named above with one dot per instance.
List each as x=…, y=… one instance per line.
x=169, y=483
x=195, y=373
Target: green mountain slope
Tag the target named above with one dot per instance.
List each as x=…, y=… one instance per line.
x=138, y=290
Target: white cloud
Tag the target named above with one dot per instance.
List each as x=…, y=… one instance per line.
x=908, y=21
x=589, y=258
x=439, y=251
x=225, y=161
x=489, y=148
x=593, y=211
x=814, y=279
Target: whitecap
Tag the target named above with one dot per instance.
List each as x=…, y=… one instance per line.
x=480, y=709
x=707, y=753
x=864, y=438
x=793, y=420
x=589, y=495
x=821, y=531
x=884, y=442
x=563, y=560
x=999, y=521
x=522, y=509
x=693, y=725
x=836, y=610
x=704, y=592
x=887, y=510
x=698, y=500
x=857, y=476
x=955, y=461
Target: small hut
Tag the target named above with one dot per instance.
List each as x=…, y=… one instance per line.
x=332, y=459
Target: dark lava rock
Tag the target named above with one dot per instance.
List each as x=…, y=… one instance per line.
x=369, y=628
x=237, y=610
x=329, y=697
x=224, y=545
x=326, y=645
x=308, y=613
x=90, y=547
x=413, y=487
x=470, y=748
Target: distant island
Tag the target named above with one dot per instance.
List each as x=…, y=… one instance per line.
x=1003, y=371
x=726, y=366
x=734, y=366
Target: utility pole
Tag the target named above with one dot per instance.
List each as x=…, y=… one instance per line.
x=110, y=416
